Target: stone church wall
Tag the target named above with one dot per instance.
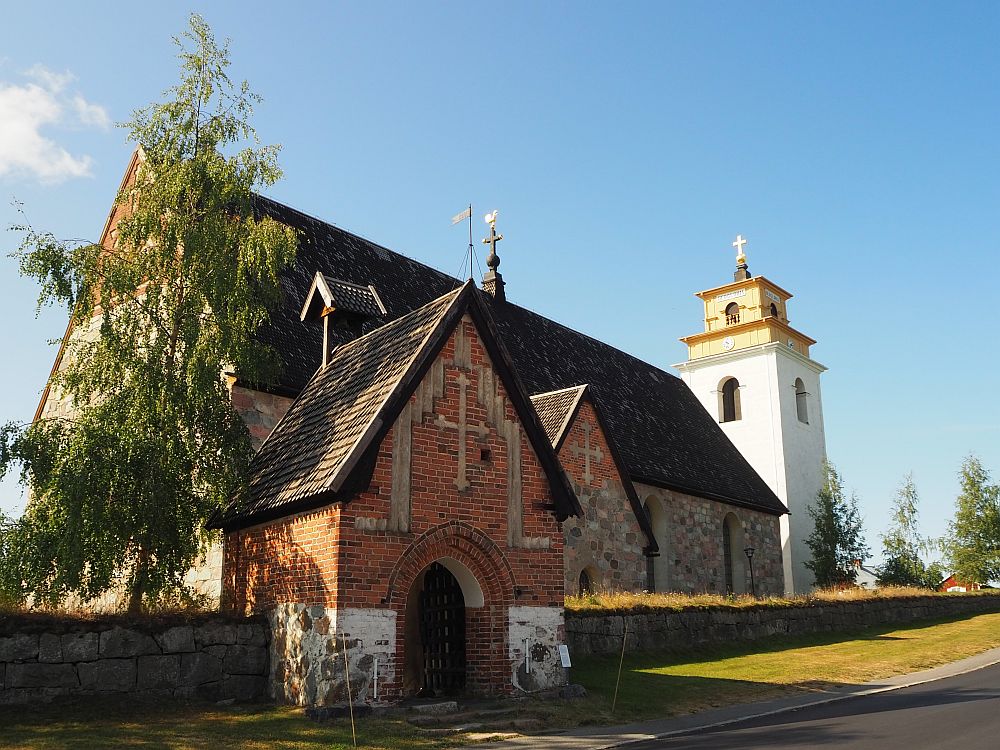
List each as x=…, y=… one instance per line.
x=607, y=542
x=690, y=537
x=260, y=411
x=348, y=575
x=202, y=658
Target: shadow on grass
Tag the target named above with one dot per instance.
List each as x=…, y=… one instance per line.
x=645, y=692
x=113, y=723
x=778, y=643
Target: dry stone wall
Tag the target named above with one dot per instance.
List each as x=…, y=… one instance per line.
x=655, y=630
x=204, y=660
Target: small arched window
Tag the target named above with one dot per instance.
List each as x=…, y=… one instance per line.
x=729, y=398
x=732, y=559
x=732, y=314
x=586, y=585
x=774, y=310
x=801, y=401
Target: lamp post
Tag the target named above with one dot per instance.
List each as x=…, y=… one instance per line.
x=749, y=553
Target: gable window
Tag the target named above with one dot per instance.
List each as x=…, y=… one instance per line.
x=801, y=401
x=729, y=401
x=732, y=314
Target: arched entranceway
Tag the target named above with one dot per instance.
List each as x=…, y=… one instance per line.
x=436, y=628
x=487, y=583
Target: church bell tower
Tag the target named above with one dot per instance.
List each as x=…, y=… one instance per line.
x=753, y=373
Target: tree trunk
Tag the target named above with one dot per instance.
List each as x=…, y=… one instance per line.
x=139, y=581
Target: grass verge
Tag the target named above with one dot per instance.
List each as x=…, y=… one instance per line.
x=653, y=685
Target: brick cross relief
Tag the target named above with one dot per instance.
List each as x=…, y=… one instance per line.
x=463, y=427
x=577, y=450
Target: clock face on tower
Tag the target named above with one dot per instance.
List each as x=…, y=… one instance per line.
x=728, y=343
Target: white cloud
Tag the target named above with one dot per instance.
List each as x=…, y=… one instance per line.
x=26, y=109
x=54, y=82
x=91, y=114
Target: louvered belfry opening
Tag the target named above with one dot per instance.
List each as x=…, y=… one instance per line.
x=442, y=632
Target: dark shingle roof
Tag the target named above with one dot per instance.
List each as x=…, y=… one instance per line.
x=555, y=410
x=664, y=434
x=308, y=452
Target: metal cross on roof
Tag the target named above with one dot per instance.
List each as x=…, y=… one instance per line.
x=493, y=260
x=740, y=242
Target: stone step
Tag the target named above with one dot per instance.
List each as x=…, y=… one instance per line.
x=434, y=709
x=458, y=717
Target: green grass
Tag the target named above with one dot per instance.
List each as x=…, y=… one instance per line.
x=655, y=685
x=85, y=725
x=652, y=685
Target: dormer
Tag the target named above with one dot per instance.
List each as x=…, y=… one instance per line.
x=342, y=306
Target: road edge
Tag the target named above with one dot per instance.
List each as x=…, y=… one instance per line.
x=875, y=690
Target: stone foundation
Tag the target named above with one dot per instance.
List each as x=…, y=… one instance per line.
x=308, y=646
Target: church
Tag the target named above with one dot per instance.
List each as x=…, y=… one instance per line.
x=438, y=467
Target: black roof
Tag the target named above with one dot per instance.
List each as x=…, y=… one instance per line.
x=666, y=437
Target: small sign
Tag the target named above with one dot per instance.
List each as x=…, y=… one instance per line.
x=564, y=656
x=773, y=296
x=730, y=295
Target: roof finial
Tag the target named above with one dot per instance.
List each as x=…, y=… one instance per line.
x=742, y=274
x=492, y=260
x=492, y=280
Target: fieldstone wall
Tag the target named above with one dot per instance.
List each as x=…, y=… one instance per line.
x=678, y=630
x=205, y=660
x=606, y=541
x=689, y=531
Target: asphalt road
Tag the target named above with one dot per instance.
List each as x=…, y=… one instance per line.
x=958, y=712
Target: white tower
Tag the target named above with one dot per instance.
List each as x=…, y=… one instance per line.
x=753, y=373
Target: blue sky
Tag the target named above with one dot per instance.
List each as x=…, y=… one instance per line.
x=625, y=144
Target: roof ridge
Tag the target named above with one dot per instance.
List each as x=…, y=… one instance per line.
x=594, y=339
x=339, y=228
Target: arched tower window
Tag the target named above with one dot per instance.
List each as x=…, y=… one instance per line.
x=732, y=314
x=774, y=310
x=729, y=400
x=801, y=401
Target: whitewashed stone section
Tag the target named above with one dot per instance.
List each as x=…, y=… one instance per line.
x=205, y=578
x=535, y=634
x=308, y=645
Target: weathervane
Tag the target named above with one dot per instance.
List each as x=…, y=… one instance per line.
x=492, y=260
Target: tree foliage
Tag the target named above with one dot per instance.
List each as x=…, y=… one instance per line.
x=902, y=544
x=972, y=544
x=836, y=540
x=122, y=484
